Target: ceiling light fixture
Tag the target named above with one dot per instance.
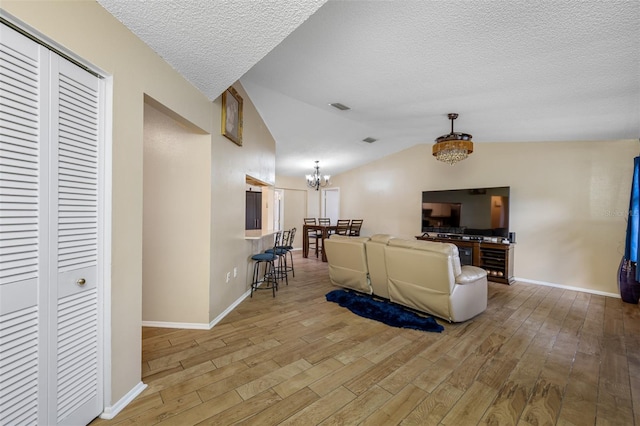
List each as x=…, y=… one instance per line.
x=316, y=180
x=453, y=147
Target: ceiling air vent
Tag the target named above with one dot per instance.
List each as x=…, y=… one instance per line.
x=341, y=107
x=369, y=140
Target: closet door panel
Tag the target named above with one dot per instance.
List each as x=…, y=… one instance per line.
x=22, y=305
x=74, y=225
x=50, y=353
x=19, y=158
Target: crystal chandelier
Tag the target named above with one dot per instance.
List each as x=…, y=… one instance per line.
x=316, y=180
x=453, y=147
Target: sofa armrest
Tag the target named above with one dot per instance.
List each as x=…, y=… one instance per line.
x=470, y=274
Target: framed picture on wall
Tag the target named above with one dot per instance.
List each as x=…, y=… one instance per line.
x=232, y=115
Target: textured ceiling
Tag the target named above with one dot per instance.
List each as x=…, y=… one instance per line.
x=514, y=71
x=212, y=43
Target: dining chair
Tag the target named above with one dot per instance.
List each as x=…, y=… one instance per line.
x=312, y=235
x=342, y=226
x=324, y=221
x=354, y=228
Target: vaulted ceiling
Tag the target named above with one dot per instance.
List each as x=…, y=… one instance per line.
x=514, y=71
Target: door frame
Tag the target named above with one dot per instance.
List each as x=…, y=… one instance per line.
x=278, y=210
x=323, y=202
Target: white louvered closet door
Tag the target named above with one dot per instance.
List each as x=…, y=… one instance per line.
x=49, y=231
x=74, y=241
x=23, y=304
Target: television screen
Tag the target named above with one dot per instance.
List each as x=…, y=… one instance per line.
x=475, y=211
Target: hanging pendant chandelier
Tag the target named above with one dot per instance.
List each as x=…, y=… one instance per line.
x=316, y=180
x=453, y=147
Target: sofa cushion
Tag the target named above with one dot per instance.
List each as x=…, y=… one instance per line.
x=401, y=242
x=381, y=238
x=444, y=248
x=338, y=237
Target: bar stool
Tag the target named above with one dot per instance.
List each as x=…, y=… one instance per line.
x=289, y=248
x=280, y=250
x=270, y=274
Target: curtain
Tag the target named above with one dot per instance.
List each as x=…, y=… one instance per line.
x=629, y=273
x=633, y=222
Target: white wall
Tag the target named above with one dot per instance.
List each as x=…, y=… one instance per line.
x=568, y=201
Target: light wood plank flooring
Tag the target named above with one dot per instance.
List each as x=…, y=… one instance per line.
x=537, y=356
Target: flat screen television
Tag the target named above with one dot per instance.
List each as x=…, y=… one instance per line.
x=474, y=211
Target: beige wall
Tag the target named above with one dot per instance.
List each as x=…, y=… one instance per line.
x=294, y=202
x=91, y=33
x=230, y=165
x=299, y=202
x=568, y=201
x=298, y=183
x=176, y=221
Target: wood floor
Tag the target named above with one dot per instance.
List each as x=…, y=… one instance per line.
x=537, y=356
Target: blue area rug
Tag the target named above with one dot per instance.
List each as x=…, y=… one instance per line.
x=386, y=312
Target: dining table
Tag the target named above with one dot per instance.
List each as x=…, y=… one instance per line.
x=325, y=231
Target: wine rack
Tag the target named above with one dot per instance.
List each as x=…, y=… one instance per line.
x=494, y=262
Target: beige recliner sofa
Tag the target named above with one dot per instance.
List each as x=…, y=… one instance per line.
x=422, y=275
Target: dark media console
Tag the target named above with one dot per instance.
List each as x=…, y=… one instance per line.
x=493, y=256
x=460, y=237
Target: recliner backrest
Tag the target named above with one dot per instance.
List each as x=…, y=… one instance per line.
x=421, y=276
x=413, y=260
x=347, y=259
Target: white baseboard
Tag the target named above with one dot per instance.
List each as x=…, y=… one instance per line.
x=197, y=326
x=229, y=309
x=567, y=287
x=110, y=412
x=187, y=325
